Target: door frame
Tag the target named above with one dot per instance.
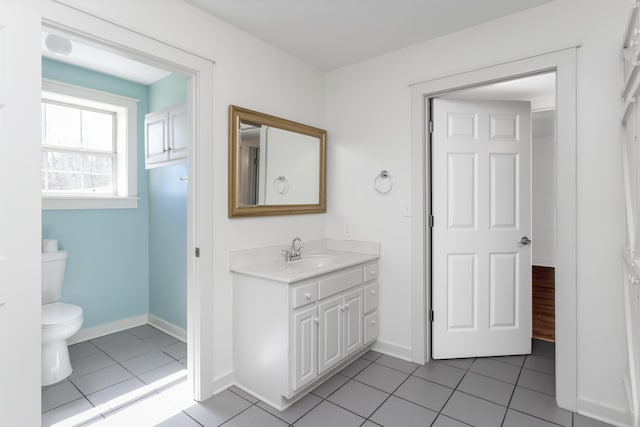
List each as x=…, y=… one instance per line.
x=199, y=71
x=563, y=63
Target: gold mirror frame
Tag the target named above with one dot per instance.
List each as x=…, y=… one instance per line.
x=238, y=114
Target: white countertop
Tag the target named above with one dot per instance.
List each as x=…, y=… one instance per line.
x=293, y=271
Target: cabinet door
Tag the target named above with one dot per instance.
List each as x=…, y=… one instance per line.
x=155, y=138
x=178, y=132
x=330, y=333
x=305, y=351
x=353, y=303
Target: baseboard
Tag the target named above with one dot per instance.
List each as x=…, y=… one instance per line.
x=544, y=262
x=223, y=382
x=392, y=349
x=86, y=334
x=603, y=412
x=168, y=328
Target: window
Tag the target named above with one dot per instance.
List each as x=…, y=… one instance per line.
x=88, y=148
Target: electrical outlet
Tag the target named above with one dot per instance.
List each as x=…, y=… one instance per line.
x=347, y=230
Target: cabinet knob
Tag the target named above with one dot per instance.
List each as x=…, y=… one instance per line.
x=307, y=295
x=316, y=320
x=373, y=322
x=373, y=273
x=342, y=308
x=373, y=291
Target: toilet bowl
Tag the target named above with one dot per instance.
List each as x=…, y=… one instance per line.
x=59, y=320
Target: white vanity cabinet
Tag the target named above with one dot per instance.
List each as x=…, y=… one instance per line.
x=290, y=337
x=166, y=136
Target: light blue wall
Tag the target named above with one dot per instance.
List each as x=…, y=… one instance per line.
x=168, y=221
x=108, y=267
x=167, y=92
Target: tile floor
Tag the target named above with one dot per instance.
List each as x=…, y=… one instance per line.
x=138, y=378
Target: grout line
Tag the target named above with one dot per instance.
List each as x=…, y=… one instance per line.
x=343, y=408
x=379, y=389
x=454, y=392
x=333, y=392
x=494, y=378
x=538, y=418
x=239, y=395
x=244, y=410
x=397, y=370
x=513, y=392
x=389, y=395
x=196, y=421
x=66, y=403
x=484, y=398
x=369, y=363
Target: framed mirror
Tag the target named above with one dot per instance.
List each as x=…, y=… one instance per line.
x=276, y=166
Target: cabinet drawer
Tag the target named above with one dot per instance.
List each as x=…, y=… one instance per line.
x=370, y=327
x=304, y=295
x=339, y=283
x=371, y=297
x=370, y=272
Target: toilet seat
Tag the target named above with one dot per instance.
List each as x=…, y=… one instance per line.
x=59, y=314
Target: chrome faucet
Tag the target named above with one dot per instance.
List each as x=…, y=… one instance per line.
x=294, y=253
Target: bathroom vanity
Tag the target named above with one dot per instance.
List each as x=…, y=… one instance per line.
x=295, y=323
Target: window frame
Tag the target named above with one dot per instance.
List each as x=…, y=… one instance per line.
x=125, y=178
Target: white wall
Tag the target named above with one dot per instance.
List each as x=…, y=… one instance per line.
x=368, y=118
x=247, y=73
x=543, y=188
x=20, y=286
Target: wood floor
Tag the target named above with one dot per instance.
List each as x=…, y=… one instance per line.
x=544, y=316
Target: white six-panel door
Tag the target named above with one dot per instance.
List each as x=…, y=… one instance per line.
x=481, y=198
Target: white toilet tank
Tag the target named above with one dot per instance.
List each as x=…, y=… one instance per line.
x=53, y=265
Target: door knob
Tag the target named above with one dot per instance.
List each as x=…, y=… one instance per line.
x=524, y=241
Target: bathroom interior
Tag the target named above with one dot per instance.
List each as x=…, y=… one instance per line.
x=120, y=264
x=124, y=267
x=135, y=260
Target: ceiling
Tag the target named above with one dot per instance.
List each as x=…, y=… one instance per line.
x=325, y=33
x=540, y=89
x=105, y=62
x=333, y=33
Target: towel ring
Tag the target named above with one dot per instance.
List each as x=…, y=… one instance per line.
x=281, y=185
x=383, y=183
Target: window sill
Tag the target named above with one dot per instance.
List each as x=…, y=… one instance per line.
x=50, y=202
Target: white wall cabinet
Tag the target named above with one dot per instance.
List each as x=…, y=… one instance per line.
x=290, y=337
x=166, y=136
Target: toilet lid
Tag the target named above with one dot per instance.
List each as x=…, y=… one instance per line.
x=58, y=313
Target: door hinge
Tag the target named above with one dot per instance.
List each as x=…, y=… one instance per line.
x=431, y=221
x=431, y=316
x=430, y=126
x=197, y=252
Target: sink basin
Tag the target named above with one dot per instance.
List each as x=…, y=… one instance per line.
x=313, y=261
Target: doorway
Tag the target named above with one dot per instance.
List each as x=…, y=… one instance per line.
x=563, y=64
x=198, y=71
x=492, y=196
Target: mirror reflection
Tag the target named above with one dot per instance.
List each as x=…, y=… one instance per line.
x=276, y=166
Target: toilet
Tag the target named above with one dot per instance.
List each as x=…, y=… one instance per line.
x=59, y=320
